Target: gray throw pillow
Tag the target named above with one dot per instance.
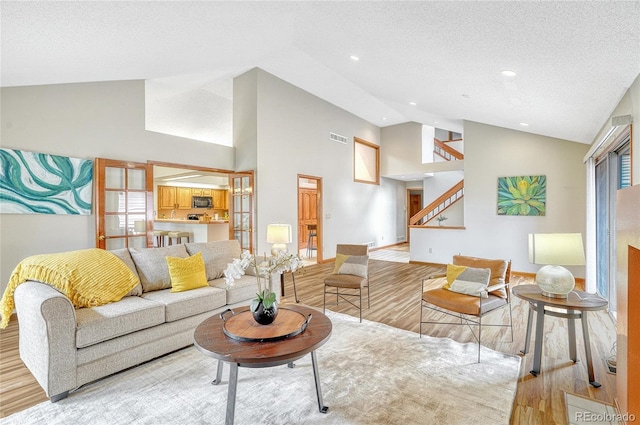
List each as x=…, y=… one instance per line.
x=152, y=266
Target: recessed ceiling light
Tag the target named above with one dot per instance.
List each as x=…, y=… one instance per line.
x=384, y=118
x=524, y=124
x=508, y=73
x=412, y=103
x=354, y=58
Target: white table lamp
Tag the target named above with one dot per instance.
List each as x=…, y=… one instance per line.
x=279, y=235
x=555, y=250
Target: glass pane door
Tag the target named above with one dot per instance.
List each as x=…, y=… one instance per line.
x=123, y=199
x=241, y=209
x=613, y=172
x=602, y=229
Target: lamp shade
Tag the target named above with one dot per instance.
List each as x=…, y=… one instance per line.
x=555, y=250
x=279, y=235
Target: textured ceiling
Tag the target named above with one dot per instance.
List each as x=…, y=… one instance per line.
x=574, y=60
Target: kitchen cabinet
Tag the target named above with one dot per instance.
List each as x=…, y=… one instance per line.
x=183, y=198
x=171, y=197
x=166, y=197
x=220, y=199
x=201, y=192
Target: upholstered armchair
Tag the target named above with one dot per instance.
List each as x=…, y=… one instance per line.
x=350, y=275
x=471, y=289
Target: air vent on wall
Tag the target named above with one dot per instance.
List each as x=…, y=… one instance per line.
x=337, y=138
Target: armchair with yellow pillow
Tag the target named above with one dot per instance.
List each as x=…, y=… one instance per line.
x=471, y=288
x=350, y=275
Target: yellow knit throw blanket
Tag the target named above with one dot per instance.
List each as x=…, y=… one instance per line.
x=88, y=277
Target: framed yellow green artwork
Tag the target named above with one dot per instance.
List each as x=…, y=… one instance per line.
x=522, y=195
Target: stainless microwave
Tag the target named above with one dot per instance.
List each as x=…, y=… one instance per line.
x=202, y=202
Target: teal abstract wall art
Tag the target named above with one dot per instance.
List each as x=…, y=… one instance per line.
x=522, y=195
x=37, y=183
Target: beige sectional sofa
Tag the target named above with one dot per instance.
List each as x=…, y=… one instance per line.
x=65, y=348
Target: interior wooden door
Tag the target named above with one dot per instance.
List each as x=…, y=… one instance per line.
x=241, y=209
x=415, y=205
x=307, y=214
x=310, y=214
x=124, y=204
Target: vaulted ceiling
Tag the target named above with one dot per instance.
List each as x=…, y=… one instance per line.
x=573, y=61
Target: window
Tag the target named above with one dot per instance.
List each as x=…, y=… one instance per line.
x=624, y=165
x=366, y=162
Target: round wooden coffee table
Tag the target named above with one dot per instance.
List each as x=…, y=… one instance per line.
x=227, y=344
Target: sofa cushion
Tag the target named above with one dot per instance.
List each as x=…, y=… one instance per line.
x=125, y=256
x=130, y=314
x=179, y=305
x=152, y=266
x=216, y=255
x=187, y=273
x=243, y=289
x=452, y=301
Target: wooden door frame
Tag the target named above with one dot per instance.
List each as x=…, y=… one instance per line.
x=319, y=258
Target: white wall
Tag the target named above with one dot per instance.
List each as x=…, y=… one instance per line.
x=193, y=111
x=245, y=120
x=492, y=152
x=401, y=150
x=85, y=120
x=293, y=138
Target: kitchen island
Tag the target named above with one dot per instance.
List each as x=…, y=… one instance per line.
x=214, y=230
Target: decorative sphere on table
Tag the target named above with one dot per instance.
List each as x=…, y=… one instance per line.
x=555, y=281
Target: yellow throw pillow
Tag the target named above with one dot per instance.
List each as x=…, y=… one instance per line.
x=187, y=273
x=467, y=280
x=453, y=272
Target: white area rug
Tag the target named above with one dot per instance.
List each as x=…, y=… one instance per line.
x=371, y=374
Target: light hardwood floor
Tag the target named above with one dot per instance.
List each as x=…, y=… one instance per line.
x=395, y=295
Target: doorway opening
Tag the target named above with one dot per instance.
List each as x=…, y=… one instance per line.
x=309, y=218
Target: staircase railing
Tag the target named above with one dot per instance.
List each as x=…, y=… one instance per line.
x=445, y=151
x=444, y=201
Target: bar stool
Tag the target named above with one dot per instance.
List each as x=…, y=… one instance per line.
x=178, y=236
x=312, y=239
x=159, y=235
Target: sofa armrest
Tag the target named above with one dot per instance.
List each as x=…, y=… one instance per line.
x=47, y=335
